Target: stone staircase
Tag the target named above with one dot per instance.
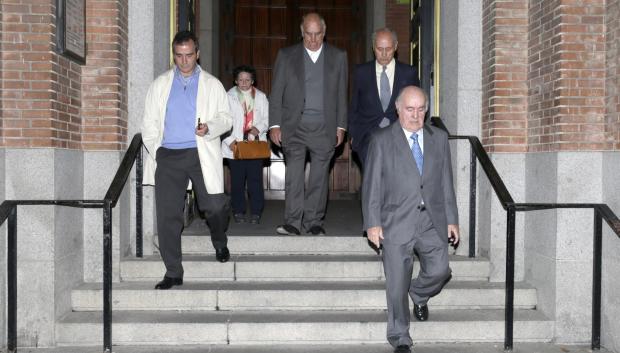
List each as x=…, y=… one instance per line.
x=290, y=290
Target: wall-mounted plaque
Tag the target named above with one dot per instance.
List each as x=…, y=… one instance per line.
x=71, y=29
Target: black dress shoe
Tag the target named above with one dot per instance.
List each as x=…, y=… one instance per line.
x=222, y=255
x=254, y=219
x=239, y=218
x=168, y=282
x=403, y=348
x=420, y=312
x=316, y=230
x=287, y=229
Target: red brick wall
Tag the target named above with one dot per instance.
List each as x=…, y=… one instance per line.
x=397, y=17
x=567, y=76
x=504, y=73
x=49, y=100
x=612, y=86
x=104, y=83
x=40, y=89
x=544, y=76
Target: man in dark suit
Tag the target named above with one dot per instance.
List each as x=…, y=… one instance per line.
x=409, y=205
x=307, y=113
x=375, y=87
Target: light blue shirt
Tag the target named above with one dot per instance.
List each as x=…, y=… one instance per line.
x=180, y=121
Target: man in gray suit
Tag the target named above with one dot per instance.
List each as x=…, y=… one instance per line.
x=308, y=113
x=409, y=205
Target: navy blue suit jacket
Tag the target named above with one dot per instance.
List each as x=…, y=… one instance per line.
x=365, y=110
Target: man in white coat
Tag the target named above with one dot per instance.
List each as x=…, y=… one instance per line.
x=185, y=113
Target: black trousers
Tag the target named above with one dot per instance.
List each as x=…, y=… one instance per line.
x=175, y=168
x=250, y=171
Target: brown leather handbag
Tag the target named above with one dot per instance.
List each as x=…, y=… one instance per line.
x=252, y=150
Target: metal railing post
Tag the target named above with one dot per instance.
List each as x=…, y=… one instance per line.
x=139, y=240
x=472, y=203
x=596, y=280
x=510, y=277
x=107, y=276
x=12, y=281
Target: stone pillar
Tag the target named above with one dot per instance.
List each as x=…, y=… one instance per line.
x=209, y=36
x=149, y=56
x=460, y=98
x=49, y=238
x=610, y=326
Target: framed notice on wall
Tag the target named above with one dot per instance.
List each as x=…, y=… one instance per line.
x=71, y=29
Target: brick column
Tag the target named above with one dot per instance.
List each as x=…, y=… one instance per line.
x=104, y=81
x=567, y=77
x=504, y=72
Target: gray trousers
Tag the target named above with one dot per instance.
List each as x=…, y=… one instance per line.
x=305, y=206
x=398, y=266
x=175, y=168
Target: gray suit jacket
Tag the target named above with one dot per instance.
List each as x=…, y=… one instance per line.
x=393, y=188
x=286, y=101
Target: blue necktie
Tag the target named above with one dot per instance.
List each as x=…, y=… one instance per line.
x=417, y=152
x=384, y=90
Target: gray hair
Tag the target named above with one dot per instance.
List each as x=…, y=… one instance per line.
x=311, y=14
x=384, y=30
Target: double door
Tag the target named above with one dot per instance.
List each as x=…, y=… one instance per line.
x=252, y=32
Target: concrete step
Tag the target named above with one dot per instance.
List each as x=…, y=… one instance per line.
x=278, y=244
x=301, y=328
x=288, y=268
x=493, y=347
x=299, y=296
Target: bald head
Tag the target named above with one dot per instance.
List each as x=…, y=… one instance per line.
x=384, y=45
x=411, y=106
x=313, y=31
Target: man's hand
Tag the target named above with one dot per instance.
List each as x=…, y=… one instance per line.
x=202, y=129
x=232, y=146
x=275, y=134
x=254, y=131
x=375, y=235
x=339, y=136
x=453, y=234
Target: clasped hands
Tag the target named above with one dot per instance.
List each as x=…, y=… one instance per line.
x=275, y=134
x=253, y=132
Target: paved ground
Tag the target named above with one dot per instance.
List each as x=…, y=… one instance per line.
x=435, y=348
x=343, y=217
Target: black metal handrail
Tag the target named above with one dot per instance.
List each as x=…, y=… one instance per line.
x=8, y=211
x=601, y=212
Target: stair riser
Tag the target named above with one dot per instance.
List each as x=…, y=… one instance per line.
x=280, y=245
x=287, y=271
x=251, y=300
x=298, y=333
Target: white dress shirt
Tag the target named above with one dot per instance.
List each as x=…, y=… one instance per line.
x=389, y=70
x=314, y=55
